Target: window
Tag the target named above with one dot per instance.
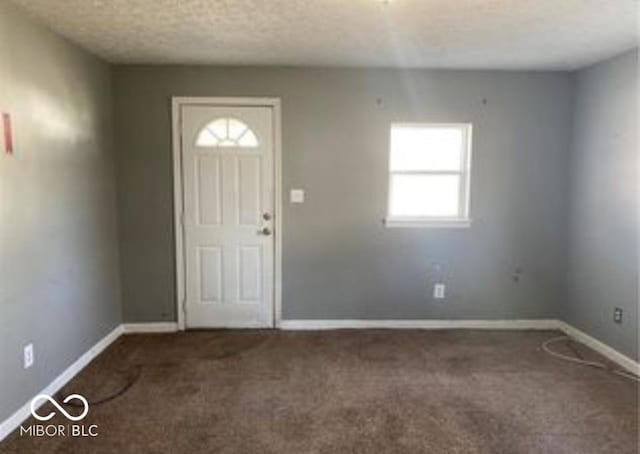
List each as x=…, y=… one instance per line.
x=227, y=132
x=429, y=170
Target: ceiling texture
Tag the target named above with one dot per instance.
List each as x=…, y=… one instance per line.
x=479, y=34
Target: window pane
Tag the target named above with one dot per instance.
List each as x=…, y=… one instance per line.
x=248, y=139
x=227, y=132
x=236, y=128
x=422, y=147
x=425, y=195
x=206, y=139
x=218, y=128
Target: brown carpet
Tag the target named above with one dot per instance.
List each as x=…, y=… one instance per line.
x=369, y=391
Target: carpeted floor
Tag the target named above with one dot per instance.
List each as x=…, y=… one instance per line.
x=367, y=391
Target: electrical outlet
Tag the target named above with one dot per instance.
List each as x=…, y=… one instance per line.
x=617, y=315
x=516, y=275
x=438, y=291
x=28, y=356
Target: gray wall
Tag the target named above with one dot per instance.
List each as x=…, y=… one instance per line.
x=603, y=224
x=58, y=231
x=339, y=261
x=58, y=237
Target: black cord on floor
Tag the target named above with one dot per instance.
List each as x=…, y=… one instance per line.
x=133, y=378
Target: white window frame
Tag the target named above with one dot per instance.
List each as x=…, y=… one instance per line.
x=463, y=219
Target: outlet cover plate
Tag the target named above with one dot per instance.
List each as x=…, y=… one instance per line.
x=617, y=315
x=28, y=356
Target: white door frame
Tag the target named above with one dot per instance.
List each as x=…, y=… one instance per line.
x=176, y=103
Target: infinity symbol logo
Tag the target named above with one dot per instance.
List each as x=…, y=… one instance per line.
x=59, y=407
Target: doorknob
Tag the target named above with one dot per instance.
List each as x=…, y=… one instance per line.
x=266, y=216
x=265, y=231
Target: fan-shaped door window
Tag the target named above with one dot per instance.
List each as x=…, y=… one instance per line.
x=227, y=132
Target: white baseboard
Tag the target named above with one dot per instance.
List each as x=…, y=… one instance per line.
x=155, y=327
x=537, y=324
x=13, y=422
x=533, y=324
x=602, y=348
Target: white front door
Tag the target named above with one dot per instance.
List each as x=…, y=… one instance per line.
x=228, y=190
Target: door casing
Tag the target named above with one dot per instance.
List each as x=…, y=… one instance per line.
x=176, y=103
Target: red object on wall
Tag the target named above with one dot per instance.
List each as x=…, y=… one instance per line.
x=8, y=134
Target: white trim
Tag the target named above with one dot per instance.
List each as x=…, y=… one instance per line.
x=464, y=193
x=602, y=348
x=177, y=211
x=13, y=422
x=277, y=161
x=236, y=326
x=533, y=324
x=159, y=327
x=434, y=224
x=275, y=103
x=537, y=324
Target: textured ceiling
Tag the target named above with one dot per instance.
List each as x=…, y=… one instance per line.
x=503, y=34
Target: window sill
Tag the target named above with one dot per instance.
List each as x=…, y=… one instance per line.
x=428, y=223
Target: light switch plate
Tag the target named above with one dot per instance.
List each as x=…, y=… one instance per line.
x=296, y=196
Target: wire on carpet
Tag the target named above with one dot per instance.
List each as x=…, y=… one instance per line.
x=579, y=360
x=132, y=379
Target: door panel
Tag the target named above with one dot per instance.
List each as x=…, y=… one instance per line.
x=248, y=175
x=227, y=164
x=210, y=274
x=250, y=262
x=209, y=190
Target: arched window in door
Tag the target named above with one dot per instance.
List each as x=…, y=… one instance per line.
x=227, y=132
